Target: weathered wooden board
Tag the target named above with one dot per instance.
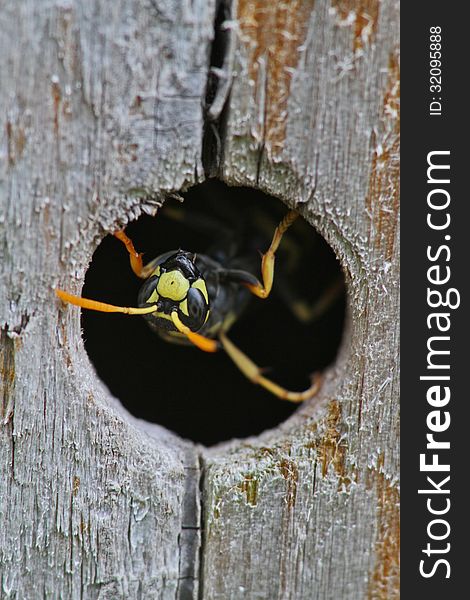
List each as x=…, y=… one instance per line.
x=311, y=510
x=102, y=115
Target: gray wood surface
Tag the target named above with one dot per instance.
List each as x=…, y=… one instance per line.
x=102, y=115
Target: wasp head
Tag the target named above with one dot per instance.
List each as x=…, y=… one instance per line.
x=176, y=284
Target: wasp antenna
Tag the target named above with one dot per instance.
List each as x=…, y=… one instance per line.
x=102, y=306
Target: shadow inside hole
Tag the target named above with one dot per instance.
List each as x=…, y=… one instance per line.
x=201, y=396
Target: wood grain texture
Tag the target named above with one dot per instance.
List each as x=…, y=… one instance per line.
x=310, y=510
x=103, y=116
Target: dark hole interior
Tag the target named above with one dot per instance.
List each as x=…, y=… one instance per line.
x=201, y=396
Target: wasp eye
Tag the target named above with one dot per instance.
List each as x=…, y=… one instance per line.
x=194, y=309
x=148, y=292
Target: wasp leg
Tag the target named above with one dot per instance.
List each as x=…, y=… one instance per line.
x=291, y=247
x=262, y=290
x=253, y=373
x=134, y=256
x=308, y=312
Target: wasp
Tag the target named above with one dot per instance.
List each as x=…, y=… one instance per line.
x=194, y=299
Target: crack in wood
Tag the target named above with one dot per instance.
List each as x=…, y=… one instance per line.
x=189, y=539
x=202, y=475
x=219, y=82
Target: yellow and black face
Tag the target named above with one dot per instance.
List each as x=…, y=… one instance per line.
x=176, y=285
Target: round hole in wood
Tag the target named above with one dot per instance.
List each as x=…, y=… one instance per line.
x=201, y=396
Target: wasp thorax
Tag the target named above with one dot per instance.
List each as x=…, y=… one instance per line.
x=176, y=285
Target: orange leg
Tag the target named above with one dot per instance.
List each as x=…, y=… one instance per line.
x=253, y=373
x=134, y=256
x=307, y=313
x=262, y=290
